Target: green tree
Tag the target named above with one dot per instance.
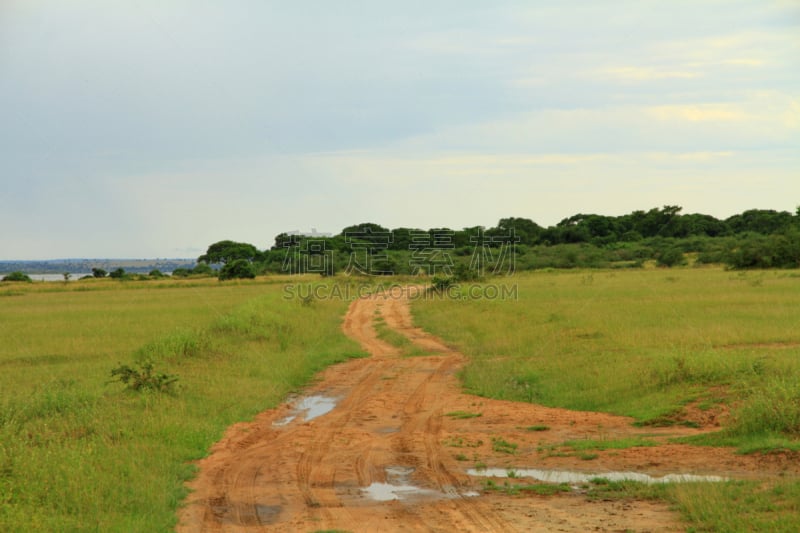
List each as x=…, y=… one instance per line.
x=227, y=251
x=764, y=221
x=526, y=229
x=119, y=273
x=17, y=276
x=99, y=273
x=203, y=269
x=238, y=268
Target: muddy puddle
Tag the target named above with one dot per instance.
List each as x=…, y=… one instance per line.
x=566, y=476
x=308, y=408
x=398, y=486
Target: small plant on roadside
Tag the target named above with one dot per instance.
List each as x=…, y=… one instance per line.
x=770, y=409
x=511, y=489
x=144, y=378
x=460, y=415
x=503, y=446
x=459, y=442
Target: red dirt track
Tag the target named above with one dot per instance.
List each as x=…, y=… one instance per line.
x=391, y=412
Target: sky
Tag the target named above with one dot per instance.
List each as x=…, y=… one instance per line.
x=151, y=129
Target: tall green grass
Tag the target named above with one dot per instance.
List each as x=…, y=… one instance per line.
x=644, y=343
x=81, y=453
x=639, y=343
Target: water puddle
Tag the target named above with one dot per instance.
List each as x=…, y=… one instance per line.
x=284, y=421
x=310, y=407
x=268, y=514
x=315, y=406
x=565, y=476
x=398, y=487
x=384, y=492
x=398, y=474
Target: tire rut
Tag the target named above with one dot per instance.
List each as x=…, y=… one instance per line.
x=390, y=427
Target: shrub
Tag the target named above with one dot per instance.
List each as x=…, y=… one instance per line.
x=117, y=274
x=463, y=272
x=441, y=283
x=239, y=268
x=17, y=276
x=144, y=378
x=202, y=269
x=99, y=273
x=671, y=257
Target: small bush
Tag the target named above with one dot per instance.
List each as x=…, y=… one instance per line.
x=17, y=276
x=442, y=283
x=144, y=378
x=203, y=269
x=463, y=272
x=238, y=269
x=671, y=257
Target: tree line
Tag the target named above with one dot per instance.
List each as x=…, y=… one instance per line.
x=757, y=238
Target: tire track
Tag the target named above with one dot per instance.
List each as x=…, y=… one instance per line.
x=312, y=475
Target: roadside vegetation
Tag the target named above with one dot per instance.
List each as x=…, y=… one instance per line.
x=82, y=449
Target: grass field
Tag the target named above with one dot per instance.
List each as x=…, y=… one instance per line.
x=78, y=453
x=646, y=343
x=81, y=453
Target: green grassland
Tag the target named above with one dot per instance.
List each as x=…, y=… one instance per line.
x=81, y=453
x=645, y=343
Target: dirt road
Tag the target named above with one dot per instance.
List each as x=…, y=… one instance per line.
x=377, y=451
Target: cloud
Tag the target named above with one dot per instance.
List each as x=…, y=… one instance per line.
x=151, y=126
x=698, y=113
x=647, y=73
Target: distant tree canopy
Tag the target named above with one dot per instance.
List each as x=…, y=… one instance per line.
x=17, y=276
x=226, y=251
x=756, y=238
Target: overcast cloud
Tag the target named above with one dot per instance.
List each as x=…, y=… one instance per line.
x=152, y=129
